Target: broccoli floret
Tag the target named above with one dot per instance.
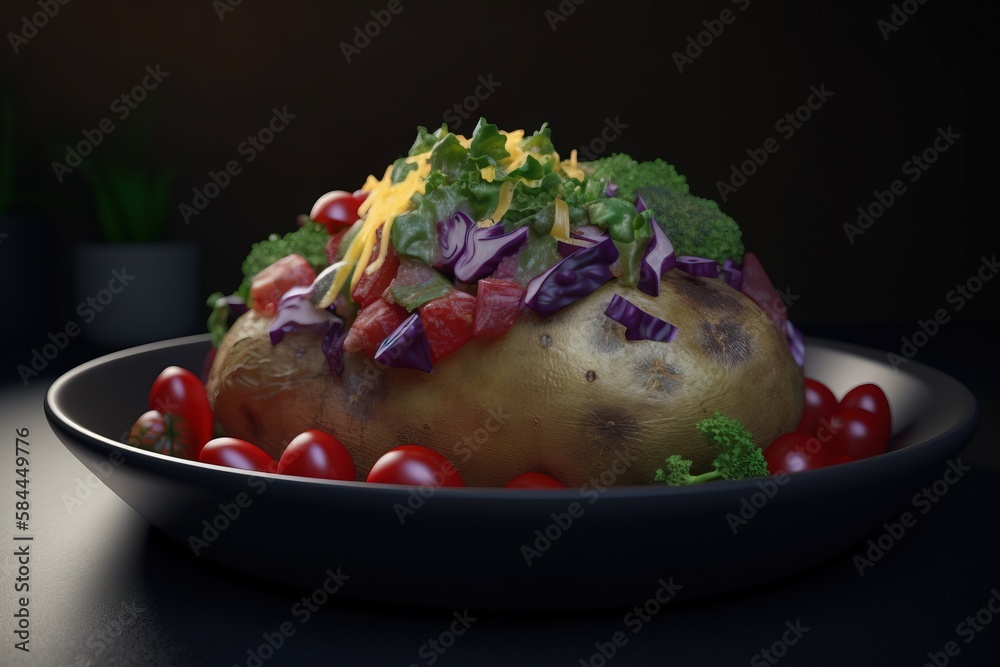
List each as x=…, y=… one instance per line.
x=602, y=173
x=309, y=241
x=739, y=457
x=630, y=177
x=694, y=225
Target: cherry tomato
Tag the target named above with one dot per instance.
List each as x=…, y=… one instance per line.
x=858, y=433
x=842, y=459
x=316, y=453
x=336, y=209
x=820, y=404
x=163, y=434
x=534, y=480
x=869, y=397
x=415, y=465
x=795, y=452
x=179, y=392
x=236, y=453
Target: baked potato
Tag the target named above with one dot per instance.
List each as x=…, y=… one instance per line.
x=516, y=312
x=567, y=395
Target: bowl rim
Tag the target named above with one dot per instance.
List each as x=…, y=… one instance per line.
x=937, y=380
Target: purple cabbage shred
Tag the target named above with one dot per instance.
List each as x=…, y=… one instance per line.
x=796, y=343
x=571, y=279
x=452, y=235
x=639, y=325
x=698, y=266
x=296, y=312
x=658, y=258
x=485, y=247
x=407, y=346
x=732, y=274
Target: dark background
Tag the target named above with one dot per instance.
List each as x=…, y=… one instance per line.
x=606, y=60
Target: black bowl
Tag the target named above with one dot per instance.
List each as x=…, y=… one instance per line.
x=495, y=548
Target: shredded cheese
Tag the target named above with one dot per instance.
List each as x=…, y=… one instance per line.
x=560, y=227
x=503, y=203
x=570, y=167
x=383, y=248
x=387, y=200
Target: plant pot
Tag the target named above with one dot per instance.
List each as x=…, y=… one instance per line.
x=132, y=293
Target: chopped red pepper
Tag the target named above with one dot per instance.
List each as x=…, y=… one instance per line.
x=448, y=322
x=333, y=244
x=373, y=325
x=270, y=284
x=371, y=285
x=497, y=307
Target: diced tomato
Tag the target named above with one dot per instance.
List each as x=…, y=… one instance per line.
x=333, y=244
x=506, y=268
x=413, y=272
x=270, y=284
x=415, y=283
x=497, y=306
x=373, y=325
x=448, y=322
x=369, y=289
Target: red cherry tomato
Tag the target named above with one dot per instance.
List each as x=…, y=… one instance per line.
x=414, y=465
x=180, y=393
x=163, y=434
x=820, y=403
x=858, y=433
x=842, y=459
x=316, y=453
x=236, y=453
x=336, y=209
x=795, y=452
x=534, y=480
x=869, y=397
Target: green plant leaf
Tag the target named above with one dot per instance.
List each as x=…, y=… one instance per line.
x=128, y=187
x=108, y=217
x=158, y=207
x=143, y=229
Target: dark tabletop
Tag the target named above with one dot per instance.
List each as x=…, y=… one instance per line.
x=108, y=589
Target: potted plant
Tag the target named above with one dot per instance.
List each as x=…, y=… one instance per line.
x=134, y=286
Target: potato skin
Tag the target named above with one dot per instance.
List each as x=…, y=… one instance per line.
x=567, y=395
